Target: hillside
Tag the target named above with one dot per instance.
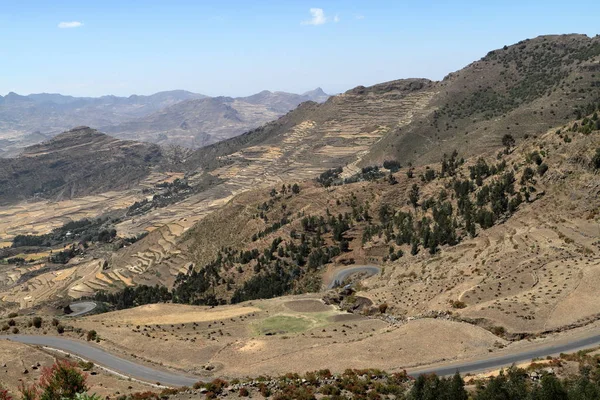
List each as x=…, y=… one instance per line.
x=325, y=135
x=75, y=163
x=345, y=132
x=198, y=123
x=523, y=89
x=504, y=240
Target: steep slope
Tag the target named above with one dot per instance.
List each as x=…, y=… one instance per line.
x=509, y=242
x=198, y=123
x=327, y=134
x=521, y=90
x=75, y=163
x=298, y=146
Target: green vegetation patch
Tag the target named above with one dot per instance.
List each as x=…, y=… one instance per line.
x=280, y=324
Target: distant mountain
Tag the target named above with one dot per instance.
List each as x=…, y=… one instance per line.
x=317, y=95
x=146, y=118
x=26, y=120
x=75, y=163
x=200, y=122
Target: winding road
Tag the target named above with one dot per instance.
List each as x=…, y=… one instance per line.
x=496, y=362
x=81, y=308
x=154, y=376
x=340, y=275
x=110, y=361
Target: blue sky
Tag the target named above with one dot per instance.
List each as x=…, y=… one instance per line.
x=238, y=47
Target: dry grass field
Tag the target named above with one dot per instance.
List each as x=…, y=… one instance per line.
x=293, y=333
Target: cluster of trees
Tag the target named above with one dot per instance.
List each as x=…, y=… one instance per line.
x=588, y=125
x=169, y=193
x=278, y=268
x=270, y=229
x=392, y=165
x=273, y=283
x=84, y=230
x=587, y=109
x=371, y=173
x=331, y=177
x=135, y=296
x=512, y=384
x=479, y=201
x=63, y=256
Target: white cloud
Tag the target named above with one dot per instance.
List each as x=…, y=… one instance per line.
x=318, y=17
x=336, y=18
x=360, y=17
x=72, y=24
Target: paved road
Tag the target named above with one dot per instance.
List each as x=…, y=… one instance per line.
x=105, y=359
x=496, y=362
x=342, y=274
x=81, y=308
x=152, y=375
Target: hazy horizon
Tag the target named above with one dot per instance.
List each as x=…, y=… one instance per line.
x=235, y=49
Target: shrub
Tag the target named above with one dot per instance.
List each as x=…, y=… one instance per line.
x=61, y=381
x=165, y=393
x=15, y=330
x=60, y=329
x=596, y=159
x=86, y=365
x=243, y=392
x=498, y=330
x=92, y=335
x=54, y=322
x=216, y=386
x=37, y=322
x=148, y=395
x=383, y=308
x=542, y=168
x=4, y=394
x=457, y=304
x=85, y=396
x=11, y=322
x=13, y=315
x=28, y=392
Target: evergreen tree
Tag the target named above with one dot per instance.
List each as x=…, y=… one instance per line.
x=414, y=195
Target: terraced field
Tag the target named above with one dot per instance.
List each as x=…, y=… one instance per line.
x=300, y=153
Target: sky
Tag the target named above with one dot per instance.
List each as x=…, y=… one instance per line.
x=240, y=47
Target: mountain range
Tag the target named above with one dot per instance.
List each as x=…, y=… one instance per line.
x=413, y=222
x=27, y=120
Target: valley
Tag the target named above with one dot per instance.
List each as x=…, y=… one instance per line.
x=410, y=225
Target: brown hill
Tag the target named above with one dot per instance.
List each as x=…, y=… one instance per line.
x=75, y=163
x=523, y=270
x=522, y=89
